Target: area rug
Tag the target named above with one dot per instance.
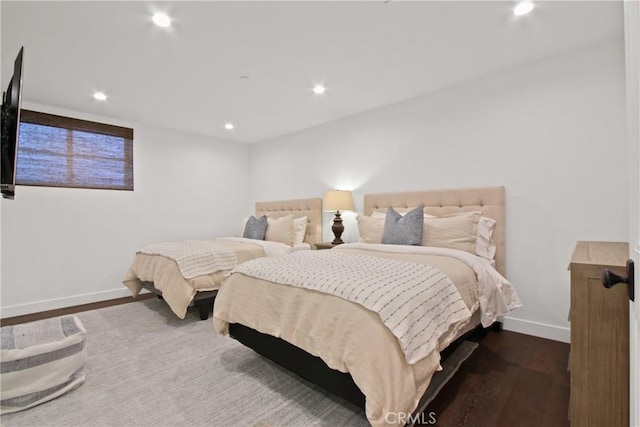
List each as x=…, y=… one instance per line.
x=148, y=368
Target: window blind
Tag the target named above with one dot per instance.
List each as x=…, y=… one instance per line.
x=57, y=151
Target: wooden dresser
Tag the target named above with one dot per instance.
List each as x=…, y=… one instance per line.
x=599, y=337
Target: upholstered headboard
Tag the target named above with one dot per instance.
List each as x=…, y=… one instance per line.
x=489, y=200
x=312, y=208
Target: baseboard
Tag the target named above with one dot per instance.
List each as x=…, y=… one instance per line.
x=542, y=330
x=52, y=304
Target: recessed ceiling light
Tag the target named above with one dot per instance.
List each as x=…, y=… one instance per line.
x=100, y=96
x=523, y=8
x=318, y=89
x=228, y=126
x=161, y=20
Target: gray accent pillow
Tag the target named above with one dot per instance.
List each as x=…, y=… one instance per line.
x=403, y=230
x=256, y=228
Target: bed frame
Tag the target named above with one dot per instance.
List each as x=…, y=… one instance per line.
x=489, y=200
x=203, y=300
x=311, y=208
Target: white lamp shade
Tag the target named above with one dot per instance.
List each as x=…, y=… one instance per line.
x=337, y=200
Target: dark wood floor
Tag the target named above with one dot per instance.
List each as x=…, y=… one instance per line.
x=510, y=380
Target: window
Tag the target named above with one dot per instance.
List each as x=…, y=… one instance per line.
x=56, y=151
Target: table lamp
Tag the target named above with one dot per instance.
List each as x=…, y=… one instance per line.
x=336, y=200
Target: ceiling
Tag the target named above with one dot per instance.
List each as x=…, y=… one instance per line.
x=188, y=77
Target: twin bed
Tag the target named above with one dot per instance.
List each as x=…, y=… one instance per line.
x=190, y=272
x=359, y=319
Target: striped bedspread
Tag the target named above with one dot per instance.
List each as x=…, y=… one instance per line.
x=416, y=302
x=195, y=257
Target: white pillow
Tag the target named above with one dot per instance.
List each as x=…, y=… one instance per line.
x=370, y=229
x=485, y=246
x=299, y=229
x=280, y=230
x=453, y=232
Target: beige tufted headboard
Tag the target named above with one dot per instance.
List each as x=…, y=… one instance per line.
x=489, y=200
x=312, y=208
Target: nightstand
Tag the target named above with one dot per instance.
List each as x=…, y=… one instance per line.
x=324, y=245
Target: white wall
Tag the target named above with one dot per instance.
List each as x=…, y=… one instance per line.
x=63, y=247
x=552, y=132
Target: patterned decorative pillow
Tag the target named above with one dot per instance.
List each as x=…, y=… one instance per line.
x=256, y=228
x=403, y=229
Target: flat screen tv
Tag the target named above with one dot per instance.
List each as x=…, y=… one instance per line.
x=11, y=100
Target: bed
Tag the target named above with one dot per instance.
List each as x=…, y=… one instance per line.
x=189, y=273
x=346, y=348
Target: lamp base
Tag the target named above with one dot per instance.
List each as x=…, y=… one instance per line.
x=337, y=229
